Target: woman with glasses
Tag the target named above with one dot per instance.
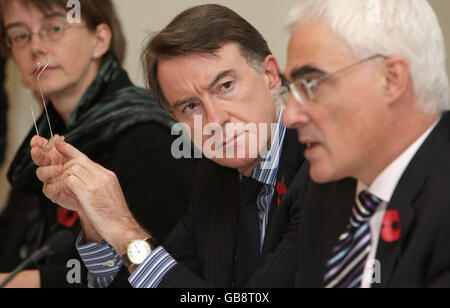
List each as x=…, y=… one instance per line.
x=90, y=100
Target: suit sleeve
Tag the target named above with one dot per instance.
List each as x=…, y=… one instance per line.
x=173, y=265
x=181, y=245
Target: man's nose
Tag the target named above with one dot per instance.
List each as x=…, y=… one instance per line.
x=216, y=113
x=295, y=113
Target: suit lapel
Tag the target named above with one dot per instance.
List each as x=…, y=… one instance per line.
x=389, y=254
x=407, y=191
x=290, y=161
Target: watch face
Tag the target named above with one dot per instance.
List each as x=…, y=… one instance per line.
x=138, y=251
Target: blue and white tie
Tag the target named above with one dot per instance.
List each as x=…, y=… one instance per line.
x=346, y=266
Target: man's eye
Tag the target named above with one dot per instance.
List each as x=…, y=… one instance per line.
x=189, y=108
x=227, y=85
x=311, y=82
x=225, y=88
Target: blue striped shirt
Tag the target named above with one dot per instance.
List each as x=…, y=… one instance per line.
x=266, y=172
x=103, y=262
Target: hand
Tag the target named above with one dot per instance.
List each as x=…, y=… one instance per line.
x=50, y=157
x=94, y=192
x=25, y=279
x=51, y=163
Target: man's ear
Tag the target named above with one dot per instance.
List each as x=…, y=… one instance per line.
x=396, y=78
x=103, y=38
x=271, y=70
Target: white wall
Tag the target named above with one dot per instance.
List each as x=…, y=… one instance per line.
x=19, y=123
x=144, y=17
x=139, y=17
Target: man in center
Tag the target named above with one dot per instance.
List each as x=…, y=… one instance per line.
x=208, y=64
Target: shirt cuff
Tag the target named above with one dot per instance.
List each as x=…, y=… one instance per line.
x=150, y=273
x=101, y=260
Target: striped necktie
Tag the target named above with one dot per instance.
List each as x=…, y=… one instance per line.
x=346, y=266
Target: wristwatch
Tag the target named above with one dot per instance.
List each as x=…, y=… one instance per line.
x=137, y=252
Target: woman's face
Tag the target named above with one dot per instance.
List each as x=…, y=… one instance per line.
x=74, y=61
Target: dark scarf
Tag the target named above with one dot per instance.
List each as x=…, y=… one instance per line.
x=110, y=106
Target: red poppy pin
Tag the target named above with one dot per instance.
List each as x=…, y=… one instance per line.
x=281, y=190
x=392, y=227
x=67, y=218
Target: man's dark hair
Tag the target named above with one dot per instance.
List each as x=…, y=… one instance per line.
x=202, y=29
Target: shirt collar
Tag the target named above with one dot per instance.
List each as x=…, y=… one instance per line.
x=266, y=171
x=384, y=185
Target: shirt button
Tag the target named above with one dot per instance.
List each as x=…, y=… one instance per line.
x=261, y=215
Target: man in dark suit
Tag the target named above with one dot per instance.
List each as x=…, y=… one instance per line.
x=214, y=72
x=372, y=107
x=3, y=110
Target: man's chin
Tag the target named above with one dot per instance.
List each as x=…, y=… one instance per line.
x=323, y=174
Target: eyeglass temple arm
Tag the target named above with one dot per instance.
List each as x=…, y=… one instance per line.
x=323, y=78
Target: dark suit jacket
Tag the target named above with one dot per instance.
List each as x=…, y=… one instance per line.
x=204, y=242
x=421, y=258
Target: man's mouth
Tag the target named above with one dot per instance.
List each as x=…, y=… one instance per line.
x=232, y=139
x=310, y=143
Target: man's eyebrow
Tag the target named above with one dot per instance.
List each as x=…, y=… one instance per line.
x=304, y=70
x=220, y=76
x=183, y=101
x=216, y=79
x=48, y=16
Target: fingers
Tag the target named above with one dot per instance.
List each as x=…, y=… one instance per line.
x=57, y=154
x=40, y=157
x=76, y=186
x=68, y=151
x=74, y=168
x=38, y=142
x=49, y=174
x=53, y=191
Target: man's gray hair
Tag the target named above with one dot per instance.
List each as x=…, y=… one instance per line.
x=406, y=28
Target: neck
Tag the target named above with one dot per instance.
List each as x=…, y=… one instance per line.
x=66, y=100
x=402, y=134
x=65, y=105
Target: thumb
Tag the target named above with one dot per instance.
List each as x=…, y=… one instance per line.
x=68, y=151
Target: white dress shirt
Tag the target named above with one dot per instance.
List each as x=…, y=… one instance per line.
x=383, y=188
